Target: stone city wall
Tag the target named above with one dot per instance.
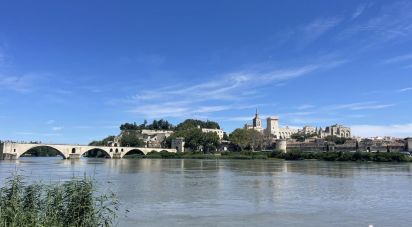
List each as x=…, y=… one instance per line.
x=351, y=146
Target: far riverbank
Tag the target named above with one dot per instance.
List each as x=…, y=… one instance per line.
x=293, y=155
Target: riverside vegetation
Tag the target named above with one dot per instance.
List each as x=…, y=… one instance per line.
x=72, y=203
x=292, y=155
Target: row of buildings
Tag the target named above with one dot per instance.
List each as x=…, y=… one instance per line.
x=157, y=138
x=273, y=128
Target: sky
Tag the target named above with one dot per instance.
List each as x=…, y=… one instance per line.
x=73, y=71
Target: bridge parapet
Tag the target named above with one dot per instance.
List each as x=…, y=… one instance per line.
x=9, y=150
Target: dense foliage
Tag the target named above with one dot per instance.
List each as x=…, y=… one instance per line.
x=344, y=156
x=191, y=123
x=335, y=139
x=131, y=139
x=293, y=155
x=247, y=139
x=195, y=139
x=103, y=142
x=155, y=125
x=301, y=137
x=73, y=203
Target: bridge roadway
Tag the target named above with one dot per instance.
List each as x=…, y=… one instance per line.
x=11, y=150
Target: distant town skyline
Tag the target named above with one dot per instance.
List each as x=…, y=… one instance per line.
x=72, y=72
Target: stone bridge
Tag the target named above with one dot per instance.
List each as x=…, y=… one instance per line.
x=10, y=150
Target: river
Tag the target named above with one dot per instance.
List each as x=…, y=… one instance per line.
x=240, y=192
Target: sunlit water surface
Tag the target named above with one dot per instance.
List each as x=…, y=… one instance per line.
x=241, y=193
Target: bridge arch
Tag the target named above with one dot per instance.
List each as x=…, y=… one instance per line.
x=96, y=149
x=26, y=150
x=133, y=151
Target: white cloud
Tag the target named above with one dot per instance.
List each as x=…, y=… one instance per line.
x=57, y=128
x=391, y=23
x=319, y=27
x=359, y=10
x=226, y=93
x=305, y=107
x=23, y=83
x=396, y=130
x=49, y=122
x=362, y=106
x=399, y=58
x=405, y=89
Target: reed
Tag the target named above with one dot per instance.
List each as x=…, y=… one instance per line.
x=72, y=203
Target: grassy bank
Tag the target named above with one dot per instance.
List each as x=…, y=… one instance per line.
x=73, y=203
x=293, y=155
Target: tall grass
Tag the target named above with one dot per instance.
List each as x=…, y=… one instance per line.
x=73, y=203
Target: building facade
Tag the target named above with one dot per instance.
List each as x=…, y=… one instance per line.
x=273, y=128
x=219, y=132
x=256, y=123
x=335, y=130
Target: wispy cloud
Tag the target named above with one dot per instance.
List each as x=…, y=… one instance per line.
x=397, y=130
x=57, y=128
x=362, y=106
x=49, y=122
x=359, y=10
x=391, y=23
x=226, y=92
x=23, y=83
x=305, y=107
x=319, y=27
x=405, y=89
x=400, y=58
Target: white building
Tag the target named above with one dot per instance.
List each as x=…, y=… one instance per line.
x=256, y=123
x=273, y=128
x=219, y=132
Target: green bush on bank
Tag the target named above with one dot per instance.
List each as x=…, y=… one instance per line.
x=344, y=156
x=73, y=203
x=290, y=155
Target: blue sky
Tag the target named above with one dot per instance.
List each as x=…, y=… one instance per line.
x=73, y=71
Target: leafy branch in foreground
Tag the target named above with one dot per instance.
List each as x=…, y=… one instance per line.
x=72, y=203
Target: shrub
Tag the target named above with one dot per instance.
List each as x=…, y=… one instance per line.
x=73, y=203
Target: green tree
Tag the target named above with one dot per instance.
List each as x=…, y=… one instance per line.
x=301, y=137
x=335, y=139
x=191, y=123
x=247, y=138
x=225, y=136
x=131, y=139
x=103, y=142
x=196, y=139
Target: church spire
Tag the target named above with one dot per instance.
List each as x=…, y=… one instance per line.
x=256, y=112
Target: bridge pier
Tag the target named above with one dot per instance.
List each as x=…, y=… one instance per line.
x=74, y=156
x=117, y=156
x=7, y=156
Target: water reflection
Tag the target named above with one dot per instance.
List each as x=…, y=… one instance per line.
x=241, y=192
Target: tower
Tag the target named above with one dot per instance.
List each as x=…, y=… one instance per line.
x=257, y=123
x=272, y=126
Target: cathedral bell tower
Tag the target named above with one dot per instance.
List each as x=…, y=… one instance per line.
x=257, y=123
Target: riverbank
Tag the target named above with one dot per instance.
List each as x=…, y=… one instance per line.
x=293, y=155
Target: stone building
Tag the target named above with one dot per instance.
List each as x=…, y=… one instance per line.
x=219, y=132
x=309, y=130
x=151, y=138
x=335, y=130
x=178, y=144
x=256, y=123
x=273, y=128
